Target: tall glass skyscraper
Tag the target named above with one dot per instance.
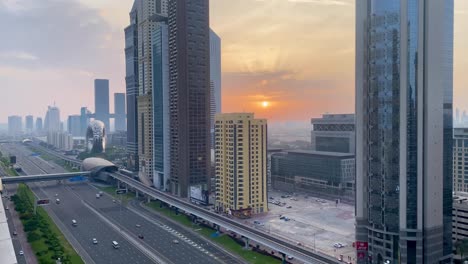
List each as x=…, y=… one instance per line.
x=161, y=117
x=404, y=58
x=101, y=101
x=131, y=83
x=189, y=85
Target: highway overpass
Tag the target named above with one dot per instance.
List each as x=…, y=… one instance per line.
x=43, y=177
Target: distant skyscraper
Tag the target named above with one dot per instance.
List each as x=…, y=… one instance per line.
x=15, y=125
x=161, y=117
x=74, y=125
x=39, y=125
x=52, y=120
x=29, y=124
x=84, y=120
x=215, y=78
x=404, y=68
x=119, y=112
x=131, y=81
x=189, y=67
x=101, y=101
x=241, y=145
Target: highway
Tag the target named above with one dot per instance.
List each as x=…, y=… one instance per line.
x=89, y=224
x=271, y=241
x=79, y=202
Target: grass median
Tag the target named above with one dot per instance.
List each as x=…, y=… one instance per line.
x=223, y=240
x=47, y=241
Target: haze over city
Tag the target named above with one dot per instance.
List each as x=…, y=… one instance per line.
x=297, y=55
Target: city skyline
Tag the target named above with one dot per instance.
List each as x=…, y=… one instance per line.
x=260, y=63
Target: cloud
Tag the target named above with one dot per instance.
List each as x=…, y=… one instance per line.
x=54, y=49
x=18, y=55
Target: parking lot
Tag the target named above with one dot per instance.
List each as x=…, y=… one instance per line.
x=311, y=222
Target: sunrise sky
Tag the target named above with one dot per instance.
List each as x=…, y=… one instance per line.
x=296, y=55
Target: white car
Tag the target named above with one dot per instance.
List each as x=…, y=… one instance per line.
x=21, y=253
x=338, y=245
x=95, y=241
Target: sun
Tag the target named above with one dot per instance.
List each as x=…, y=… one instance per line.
x=265, y=104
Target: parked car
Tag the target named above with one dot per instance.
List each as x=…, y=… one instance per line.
x=95, y=241
x=140, y=236
x=21, y=253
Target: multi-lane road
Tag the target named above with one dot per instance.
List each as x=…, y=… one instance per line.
x=107, y=220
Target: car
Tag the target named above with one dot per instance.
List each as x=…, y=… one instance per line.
x=56, y=194
x=337, y=245
x=140, y=236
x=95, y=241
x=256, y=222
x=138, y=225
x=21, y=252
x=15, y=233
x=289, y=207
x=175, y=241
x=113, y=201
x=290, y=257
x=6, y=208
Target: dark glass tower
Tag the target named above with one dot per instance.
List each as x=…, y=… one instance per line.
x=131, y=80
x=189, y=85
x=119, y=112
x=101, y=101
x=403, y=131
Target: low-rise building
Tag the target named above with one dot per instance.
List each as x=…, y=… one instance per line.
x=326, y=173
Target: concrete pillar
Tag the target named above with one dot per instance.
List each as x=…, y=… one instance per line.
x=246, y=240
x=126, y=188
x=136, y=194
x=118, y=184
x=283, y=258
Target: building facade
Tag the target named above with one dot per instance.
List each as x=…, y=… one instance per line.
x=119, y=112
x=15, y=125
x=96, y=137
x=74, y=125
x=460, y=159
x=52, y=119
x=215, y=79
x=60, y=140
x=150, y=12
x=189, y=84
x=29, y=124
x=333, y=133
x=39, y=125
x=404, y=68
x=131, y=84
x=241, y=164
x=161, y=117
x=326, y=173
x=101, y=101
x=460, y=216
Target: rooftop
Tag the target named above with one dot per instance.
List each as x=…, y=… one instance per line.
x=321, y=153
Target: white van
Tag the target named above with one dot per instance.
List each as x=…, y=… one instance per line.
x=74, y=223
x=115, y=244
